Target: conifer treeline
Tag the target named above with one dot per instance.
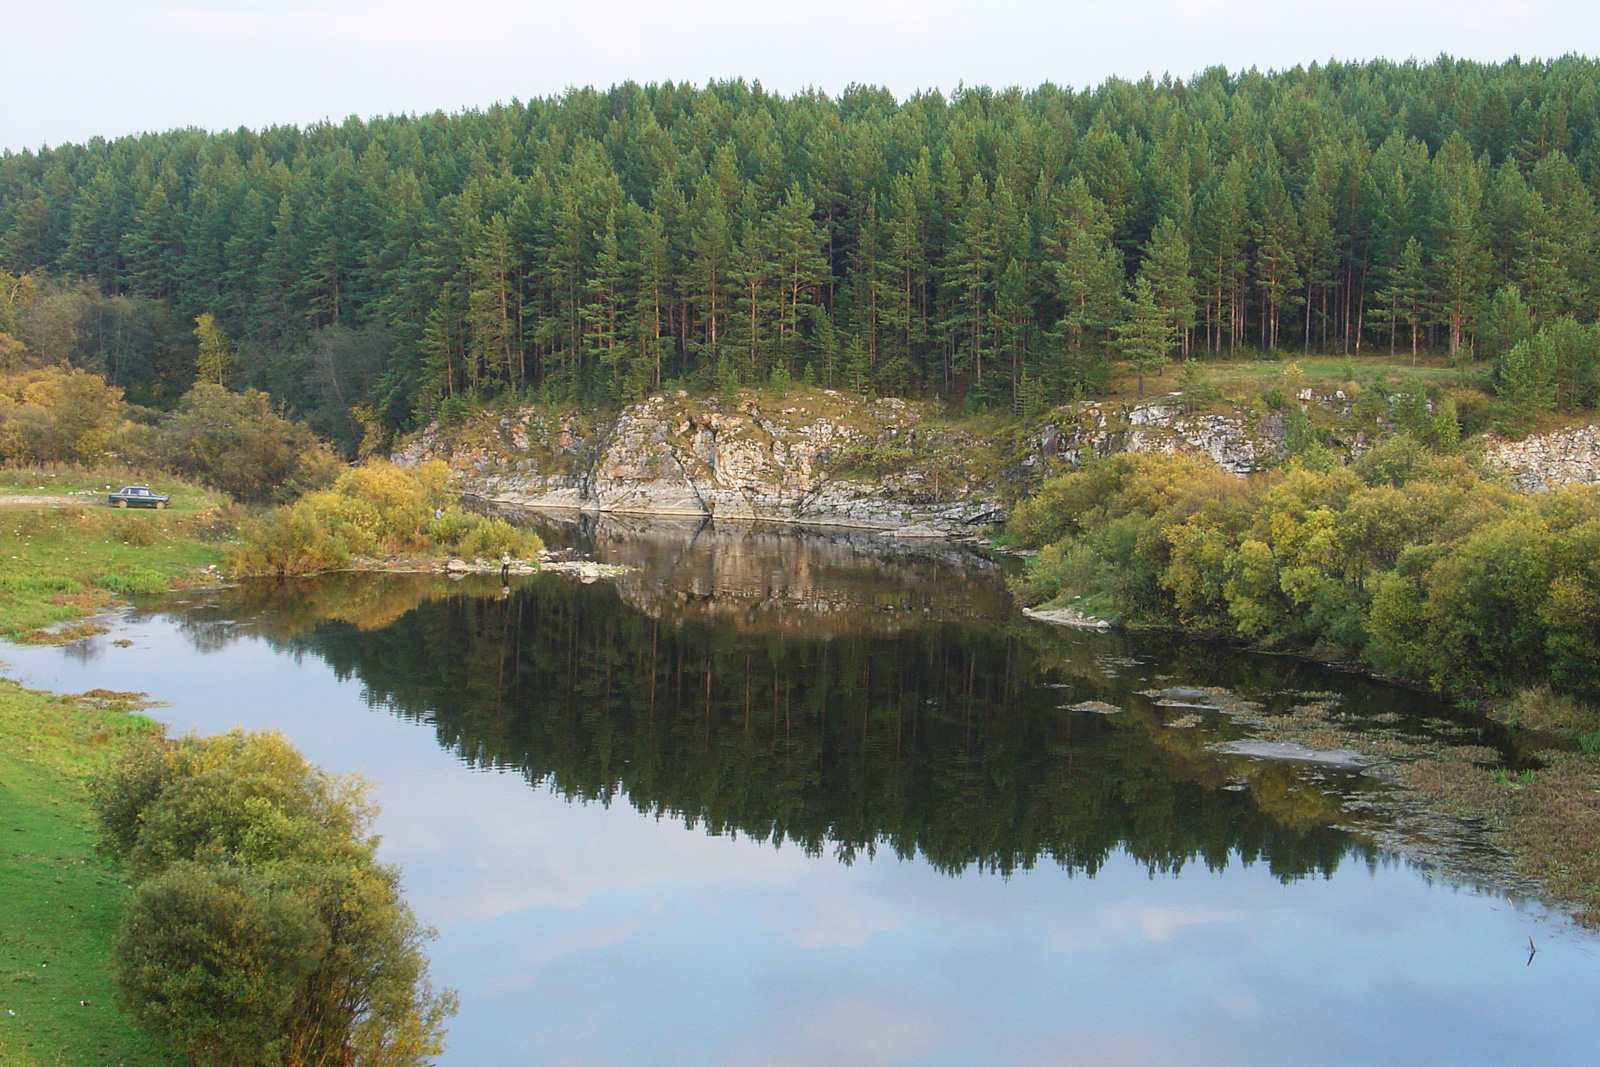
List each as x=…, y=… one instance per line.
x=981, y=245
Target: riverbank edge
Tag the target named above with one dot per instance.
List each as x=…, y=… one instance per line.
x=60, y=900
x=907, y=532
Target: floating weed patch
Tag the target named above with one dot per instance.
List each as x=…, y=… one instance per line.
x=64, y=635
x=83, y=600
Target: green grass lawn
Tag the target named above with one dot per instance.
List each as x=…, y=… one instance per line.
x=58, y=564
x=59, y=902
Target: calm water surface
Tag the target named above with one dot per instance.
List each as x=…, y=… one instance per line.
x=797, y=799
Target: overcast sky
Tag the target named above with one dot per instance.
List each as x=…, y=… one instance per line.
x=79, y=68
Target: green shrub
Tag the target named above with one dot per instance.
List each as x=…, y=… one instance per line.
x=371, y=510
x=286, y=542
x=262, y=930
x=490, y=538
x=1404, y=559
x=1066, y=569
x=450, y=527
x=214, y=960
x=235, y=442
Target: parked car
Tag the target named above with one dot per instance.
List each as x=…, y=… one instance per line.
x=137, y=496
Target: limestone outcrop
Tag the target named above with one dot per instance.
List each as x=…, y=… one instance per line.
x=1542, y=463
x=828, y=459
x=820, y=459
x=1236, y=442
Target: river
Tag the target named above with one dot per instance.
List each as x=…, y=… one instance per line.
x=782, y=798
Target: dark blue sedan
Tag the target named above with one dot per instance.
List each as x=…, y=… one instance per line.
x=137, y=496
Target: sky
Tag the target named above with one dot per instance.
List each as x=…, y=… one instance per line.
x=76, y=69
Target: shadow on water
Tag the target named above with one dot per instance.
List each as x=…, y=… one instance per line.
x=843, y=693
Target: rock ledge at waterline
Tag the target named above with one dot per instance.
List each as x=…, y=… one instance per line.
x=824, y=458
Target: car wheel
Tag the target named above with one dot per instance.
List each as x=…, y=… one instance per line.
x=160, y=504
x=122, y=503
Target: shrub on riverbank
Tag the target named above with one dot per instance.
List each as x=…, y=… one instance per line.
x=262, y=929
x=377, y=509
x=1407, y=561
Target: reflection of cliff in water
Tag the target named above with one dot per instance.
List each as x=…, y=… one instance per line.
x=764, y=577
x=937, y=738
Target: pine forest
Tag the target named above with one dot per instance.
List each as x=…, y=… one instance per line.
x=994, y=249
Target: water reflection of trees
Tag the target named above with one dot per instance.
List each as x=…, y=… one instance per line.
x=937, y=738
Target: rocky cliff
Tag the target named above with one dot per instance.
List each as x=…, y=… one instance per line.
x=1238, y=442
x=820, y=457
x=1542, y=463
x=817, y=457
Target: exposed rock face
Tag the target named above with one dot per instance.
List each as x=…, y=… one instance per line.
x=1546, y=462
x=827, y=459
x=1161, y=425
x=822, y=459
x=1238, y=443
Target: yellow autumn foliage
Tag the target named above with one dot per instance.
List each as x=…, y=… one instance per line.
x=377, y=509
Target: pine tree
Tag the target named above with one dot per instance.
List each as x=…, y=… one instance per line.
x=750, y=275
x=1166, y=266
x=1461, y=264
x=711, y=250
x=1014, y=320
x=1145, y=338
x=797, y=244
x=650, y=301
x=153, y=247
x=970, y=274
x=1406, y=294
x=1318, y=251
x=492, y=311
x=904, y=312
x=1223, y=221
x=1088, y=277
x=1277, y=235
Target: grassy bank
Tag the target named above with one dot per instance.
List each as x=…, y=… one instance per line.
x=59, y=901
x=70, y=558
